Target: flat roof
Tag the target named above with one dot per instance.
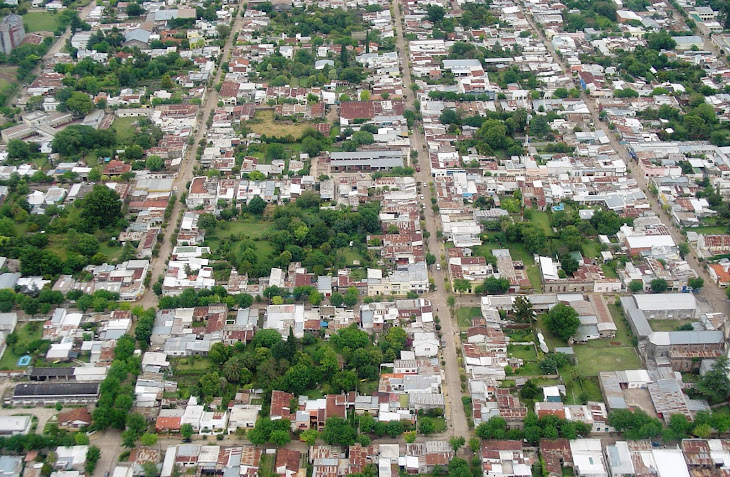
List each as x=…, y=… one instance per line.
x=56, y=389
x=666, y=301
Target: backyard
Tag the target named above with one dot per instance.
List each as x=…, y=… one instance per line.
x=25, y=334
x=668, y=325
x=126, y=129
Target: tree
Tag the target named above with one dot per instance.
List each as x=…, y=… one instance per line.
x=336, y=299
x=696, y=283
x=351, y=297
x=529, y=390
x=280, y=438
x=715, y=384
x=154, y=163
x=148, y=439
x=92, y=457
x=338, y=431
x=522, y=309
x=426, y=425
x=79, y=104
x=435, y=13
x=134, y=9
x=562, y=321
x=494, y=428
x=166, y=83
x=462, y=285
x=636, y=286
x=186, y=431
x=256, y=205
x=457, y=442
x=659, y=285
x=430, y=259
x=569, y=265
x=309, y=437
x=101, y=208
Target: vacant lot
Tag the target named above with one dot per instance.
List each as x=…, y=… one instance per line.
x=40, y=21
x=264, y=123
x=126, y=129
x=593, y=360
x=464, y=316
x=668, y=325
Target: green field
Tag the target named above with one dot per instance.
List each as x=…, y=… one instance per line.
x=41, y=21
x=593, y=360
x=524, y=352
x=588, y=386
x=591, y=249
x=264, y=123
x=717, y=230
x=464, y=316
x=541, y=219
x=126, y=129
x=25, y=333
x=266, y=465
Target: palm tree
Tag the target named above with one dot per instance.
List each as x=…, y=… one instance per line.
x=232, y=369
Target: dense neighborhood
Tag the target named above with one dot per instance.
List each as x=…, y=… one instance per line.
x=385, y=237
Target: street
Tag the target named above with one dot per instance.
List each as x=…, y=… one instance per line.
x=185, y=173
x=456, y=418
x=710, y=292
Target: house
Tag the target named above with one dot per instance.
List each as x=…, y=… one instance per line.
x=74, y=419
x=287, y=462
x=71, y=458
x=12, y=33
x=15, y=425
x=588, y=457
x=242, y=416
x=11, y=466
x=502, y=458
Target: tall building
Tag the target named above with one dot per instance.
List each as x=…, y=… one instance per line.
x=11, y=32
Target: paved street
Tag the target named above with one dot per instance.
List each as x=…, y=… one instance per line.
x=711, y=293
x=452, y=387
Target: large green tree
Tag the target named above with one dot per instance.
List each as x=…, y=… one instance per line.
x=562, y=321
x=101, y=208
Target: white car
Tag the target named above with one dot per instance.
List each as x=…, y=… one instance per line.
x=438, y=266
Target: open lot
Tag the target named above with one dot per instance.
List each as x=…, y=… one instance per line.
x=592, y=360
x=668, y=325
x=264, y=123
x=464, y=316
x=40, y=21
x=126, y=129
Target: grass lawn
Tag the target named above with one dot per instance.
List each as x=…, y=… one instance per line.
x=709, y=230
x=26, y=333
x=529, y=369
x=609, y=271
x=668, y=325
x=593, y=360
x=440, y=425
x=266, y=465
x=351, y=255
x=542, y=220
x=7, y=77
x=125, y=128
x=525, y=352
x=551, y=340
x=591, y=249
x=190, y=366
x=517, y=251
x=464, y=316
x=587, y=385
x=249, y=229
x=264, y=123
x=41, y=21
